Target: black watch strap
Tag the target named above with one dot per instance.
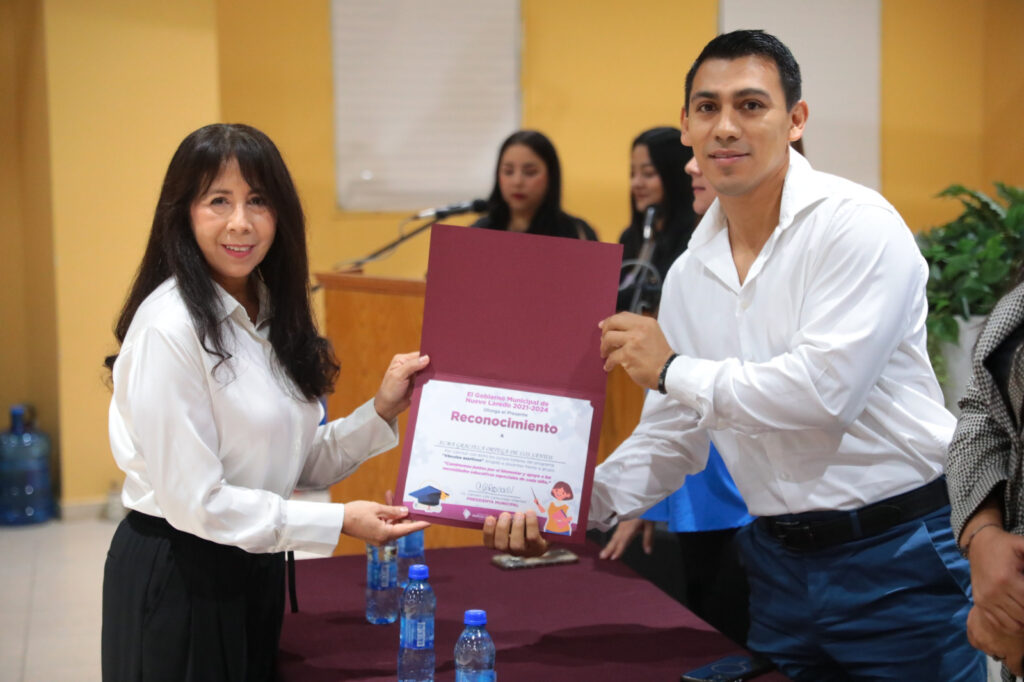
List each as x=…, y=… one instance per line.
x=664, y=372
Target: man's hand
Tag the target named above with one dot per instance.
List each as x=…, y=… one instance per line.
x=395, y=391
x=623, y=536
x=516, y=534
x=1002, y=646
x=997, y=578
x=375, y=523
x=637, y=343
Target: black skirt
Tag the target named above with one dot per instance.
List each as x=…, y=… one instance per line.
x=177, y=607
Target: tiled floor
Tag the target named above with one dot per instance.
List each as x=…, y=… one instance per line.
x=51, y=576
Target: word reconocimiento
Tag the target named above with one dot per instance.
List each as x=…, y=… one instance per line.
x=504, y=422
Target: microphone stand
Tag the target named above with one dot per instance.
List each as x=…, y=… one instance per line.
x=392, y=244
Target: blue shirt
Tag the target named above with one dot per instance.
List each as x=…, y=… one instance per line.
x=708, y=500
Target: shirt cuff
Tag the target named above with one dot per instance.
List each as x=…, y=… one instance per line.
x=382, y=435
x=312, y=526
x=690, y=381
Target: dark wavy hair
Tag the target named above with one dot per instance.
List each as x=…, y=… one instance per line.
x=172, y=251
x=549, y=218
x=746, y=44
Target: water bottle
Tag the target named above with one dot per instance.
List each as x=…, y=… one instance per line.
x=381, y=584
x=410, y=551
x=416, y=647
x=25, y=494
x=474, y=652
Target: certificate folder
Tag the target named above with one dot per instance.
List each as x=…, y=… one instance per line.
x=514, y=318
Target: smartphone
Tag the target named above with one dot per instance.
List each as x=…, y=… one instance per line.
x=548, y=558
x=729, y=669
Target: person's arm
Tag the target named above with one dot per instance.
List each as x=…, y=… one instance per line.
x=976, y=472
x=341, y=445
x=863, y=292
x=166, y=414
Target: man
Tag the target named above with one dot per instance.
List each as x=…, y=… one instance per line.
x=798, y=315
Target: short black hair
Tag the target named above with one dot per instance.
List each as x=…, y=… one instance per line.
x=747, y=43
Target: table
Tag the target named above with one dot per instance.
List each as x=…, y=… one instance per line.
x=593, y=620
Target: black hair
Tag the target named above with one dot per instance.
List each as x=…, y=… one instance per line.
x=549, y=219
x=669, y=157
x=752, y=43
x=172, y=251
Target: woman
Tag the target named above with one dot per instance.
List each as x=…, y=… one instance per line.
x=527, y=194
x=656, y=180
x=214, y=422
x=985, y=475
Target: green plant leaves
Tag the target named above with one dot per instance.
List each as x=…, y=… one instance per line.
x=971, y=259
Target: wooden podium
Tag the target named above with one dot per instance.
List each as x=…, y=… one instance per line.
x=370, y=319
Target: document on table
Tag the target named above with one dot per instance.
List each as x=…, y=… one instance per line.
x=507, y=415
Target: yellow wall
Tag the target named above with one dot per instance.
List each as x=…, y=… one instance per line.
x=952, y=91
x=1003, y=153
x=126, y=82
x=95, y=95
x=28, y=343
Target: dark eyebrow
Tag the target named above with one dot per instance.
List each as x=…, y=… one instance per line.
x=704, y=94
x=753, y=92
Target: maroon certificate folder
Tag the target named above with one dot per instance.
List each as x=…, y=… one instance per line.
x=518, y=314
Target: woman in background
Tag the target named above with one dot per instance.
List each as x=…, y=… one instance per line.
x=657, y=183
x=214, y=421
x=527, y=194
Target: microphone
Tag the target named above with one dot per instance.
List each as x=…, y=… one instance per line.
x=474, y=206
x=649, y=216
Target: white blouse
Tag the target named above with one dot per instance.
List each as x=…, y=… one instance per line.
x=216, y=450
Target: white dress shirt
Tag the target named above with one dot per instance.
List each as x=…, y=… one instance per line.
x=216, y=450
x=811, y=377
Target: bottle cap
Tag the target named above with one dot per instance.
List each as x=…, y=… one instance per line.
x=475, y=617
x=419, y=572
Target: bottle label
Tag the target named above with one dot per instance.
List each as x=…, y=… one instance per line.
x=418, y=633
x=475, y=676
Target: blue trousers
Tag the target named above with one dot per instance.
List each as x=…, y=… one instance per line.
x=889, y=607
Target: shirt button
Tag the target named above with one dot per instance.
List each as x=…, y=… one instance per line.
x=785, y=477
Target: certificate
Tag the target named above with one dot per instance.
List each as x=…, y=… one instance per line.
x=507, y=415
x=479, y=450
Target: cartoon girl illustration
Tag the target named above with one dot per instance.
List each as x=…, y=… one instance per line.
x=559, y=521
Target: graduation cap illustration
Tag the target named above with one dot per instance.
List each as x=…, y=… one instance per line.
x=429, y=495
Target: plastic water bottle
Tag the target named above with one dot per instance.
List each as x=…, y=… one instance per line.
x=25, y=494
x=474, y=652
x=382, y=591
x=416, y=647
x=410, y=551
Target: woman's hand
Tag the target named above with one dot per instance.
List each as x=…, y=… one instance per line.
x=395, y=391
x=516, y=534
x=997, y=578
x=1004, y=647
x=623, y=536
x=376, y=523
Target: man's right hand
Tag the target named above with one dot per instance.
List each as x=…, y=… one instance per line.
x=517, y=534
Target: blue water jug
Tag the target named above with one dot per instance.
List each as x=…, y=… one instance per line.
x=25, y=493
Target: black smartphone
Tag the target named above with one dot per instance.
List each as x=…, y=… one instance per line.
x=729, y=669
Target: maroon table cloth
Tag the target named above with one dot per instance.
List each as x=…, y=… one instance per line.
x=593, y=620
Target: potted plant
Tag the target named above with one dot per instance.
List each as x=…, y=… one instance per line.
x=972, y=260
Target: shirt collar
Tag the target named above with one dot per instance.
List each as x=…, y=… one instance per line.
x=801, y=188
x=229, y=305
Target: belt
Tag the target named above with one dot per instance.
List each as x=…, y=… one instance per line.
x=821, y=530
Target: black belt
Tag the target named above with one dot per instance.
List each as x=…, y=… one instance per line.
x=820, y=530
